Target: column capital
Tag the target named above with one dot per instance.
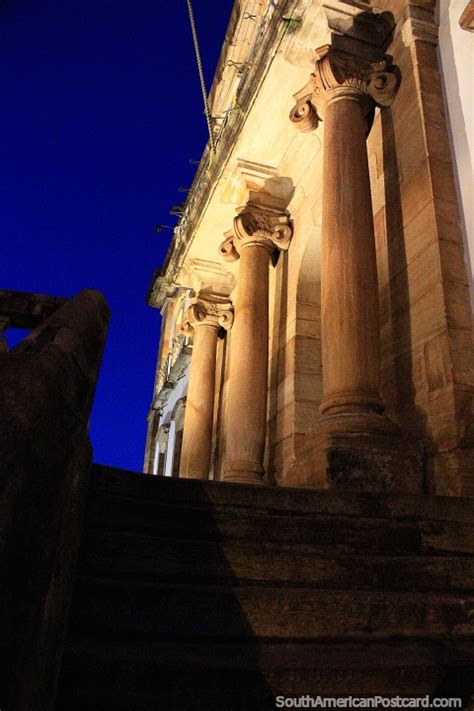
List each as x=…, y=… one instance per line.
x=206, y=310
x=339, y=74
x=260, y=226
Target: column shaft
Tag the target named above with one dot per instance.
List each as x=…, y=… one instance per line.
x=355, y=446
x=198, y=420
x=248, y=370
x=349, y=318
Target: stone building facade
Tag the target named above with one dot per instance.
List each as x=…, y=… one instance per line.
x=317, y=296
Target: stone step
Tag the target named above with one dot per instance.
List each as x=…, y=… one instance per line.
x=146, y=558
x=108, y=608
x=186, y=493
x=316, y=532
x=342, y=532
x=174, y=674
x=209, y=595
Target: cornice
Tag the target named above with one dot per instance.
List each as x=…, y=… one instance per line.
x=339, y=17
x=212, y=165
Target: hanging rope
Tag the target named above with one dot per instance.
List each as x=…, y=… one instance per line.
x=201, y=76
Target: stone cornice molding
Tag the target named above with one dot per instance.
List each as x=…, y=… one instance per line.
x=255, y=225
x=418, y=24
x=207, y=311
x=212, y=164
x=160, y=291
x=257, y=184
x=339, y=74
x=208, y=277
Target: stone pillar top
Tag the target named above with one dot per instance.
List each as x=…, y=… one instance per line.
x=207, y=277
x=354, y=23
x=263, y=220
x=350, y=61
x=257, y=226
x=207, y=310
x=338, y=74
x=258, y=184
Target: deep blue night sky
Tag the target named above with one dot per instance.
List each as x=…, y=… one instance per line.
x=101, y=112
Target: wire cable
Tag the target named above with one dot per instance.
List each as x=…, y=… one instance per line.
x=201, y=75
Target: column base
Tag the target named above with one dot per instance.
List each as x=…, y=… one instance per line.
x=243, y=473
x=194, y=475
x=360, y=453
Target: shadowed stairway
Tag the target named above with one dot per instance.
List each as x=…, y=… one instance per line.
x=193, y=595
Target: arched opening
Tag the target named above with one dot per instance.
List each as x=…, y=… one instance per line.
x=161, y=447
x=177, y=420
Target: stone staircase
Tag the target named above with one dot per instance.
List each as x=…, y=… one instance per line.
x=193, y=595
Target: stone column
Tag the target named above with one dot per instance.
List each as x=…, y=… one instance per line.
x=344, y=91
x=258, y=231
x=349, y=290
x=204, y=318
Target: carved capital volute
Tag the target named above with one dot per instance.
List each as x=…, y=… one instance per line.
x=304, y=113
x=207, y=311
x=341, y=75
x=227, y=249
x=257, y=226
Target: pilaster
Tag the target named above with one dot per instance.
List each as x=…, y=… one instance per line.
x=426, y=315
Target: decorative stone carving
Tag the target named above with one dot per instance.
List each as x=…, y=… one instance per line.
x=466, y=21
x=256, y=225
x=304, y=114
x=337, y=73
x=227, y=249
x=173, y=368
x=207, y=312
x=162, y=378
x=161, y=290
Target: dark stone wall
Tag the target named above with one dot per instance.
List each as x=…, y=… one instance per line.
x=27, y=310
x=47, y=386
